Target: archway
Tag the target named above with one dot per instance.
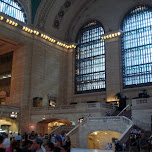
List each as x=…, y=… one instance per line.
x=100, y=139
x=46, y=126
x=8, y=126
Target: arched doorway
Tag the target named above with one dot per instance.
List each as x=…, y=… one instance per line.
x=8, y=126
x=46, y=126
x=100, y=139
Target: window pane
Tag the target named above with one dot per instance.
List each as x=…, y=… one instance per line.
x=90, y=58
x=137, y=47
x=13, y=9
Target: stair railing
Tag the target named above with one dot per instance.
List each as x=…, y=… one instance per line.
x=123, y=110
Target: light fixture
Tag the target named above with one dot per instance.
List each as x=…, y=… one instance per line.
x=32, y=31
x=1, y=18
x=44, y=117
x=13, y=115
x=95, y=133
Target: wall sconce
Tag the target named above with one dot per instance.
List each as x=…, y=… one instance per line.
x=13, y=115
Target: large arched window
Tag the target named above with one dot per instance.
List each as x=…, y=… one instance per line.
x=13, y=8
x=137, y=47
x=90, y=59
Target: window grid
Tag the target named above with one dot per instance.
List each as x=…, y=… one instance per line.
x=90, y=59
x=137, y=47
x=13, y=9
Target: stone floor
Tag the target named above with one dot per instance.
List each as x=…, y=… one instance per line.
x=88, y=150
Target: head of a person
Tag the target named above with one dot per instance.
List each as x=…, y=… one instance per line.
x=142, y=136
x=57, y=149
x=32, y=137
x=16, y=150
x=27, y=144
x=5, y=135
x=36, y=144
x=64, y=148
x=67, y=138
x=14, y=144
x=49, y=147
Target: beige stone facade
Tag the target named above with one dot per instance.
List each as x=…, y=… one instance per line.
x=41, y=68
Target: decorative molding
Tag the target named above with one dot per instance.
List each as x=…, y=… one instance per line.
x=44, y=13
x=62, y=11
x=25, y=5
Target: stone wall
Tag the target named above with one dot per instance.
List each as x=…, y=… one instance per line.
x=142, y=113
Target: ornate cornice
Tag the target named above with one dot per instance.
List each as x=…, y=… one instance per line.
x=44, y=13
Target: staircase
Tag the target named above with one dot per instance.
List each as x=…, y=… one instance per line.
x=61, y=129
x=74, y=136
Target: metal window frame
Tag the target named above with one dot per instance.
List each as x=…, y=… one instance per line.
x=20, y=11
x=93, y=58
x=137, y=60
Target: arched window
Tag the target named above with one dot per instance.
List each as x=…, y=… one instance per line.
x=90, y=59
x=13, y=8
x=137, y=47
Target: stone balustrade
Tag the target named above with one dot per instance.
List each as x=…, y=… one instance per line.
x=74, y=107
x=118, y=124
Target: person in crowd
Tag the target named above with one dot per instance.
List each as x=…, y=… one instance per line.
x=63, y=139
x=6, y=141
x=14, y=145
x=57, y=142
x=14, y=136
x=134, y=131
x=64, y=148
x=133, y=144
x=53, y=138
x=49, y=147
x=124, y=147
x=57, y=149
x=68, y=143
x=111, y=145
x=118, y=147
x=18, y=138
x=2, y=148
x=17, y=149
x=26, y=146
x=108, y=146
x=36, y=146
x=11, y=136
x=143, y=144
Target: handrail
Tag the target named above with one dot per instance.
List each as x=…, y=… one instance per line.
x=111, y=118
x=54, y=130
x=72, y=130
x=123, y=110
x=60, y=128
x=125, y=133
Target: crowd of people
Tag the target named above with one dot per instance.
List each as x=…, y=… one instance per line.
x=34, y=143
x=137, y=142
